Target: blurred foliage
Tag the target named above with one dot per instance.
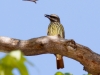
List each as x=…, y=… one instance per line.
x=68, y=74
x=14, y=59
x=87, y=74
x=60, y=73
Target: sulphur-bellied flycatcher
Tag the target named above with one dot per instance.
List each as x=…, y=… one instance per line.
x=56, y=28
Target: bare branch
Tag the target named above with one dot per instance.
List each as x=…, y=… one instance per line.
x=53, y=45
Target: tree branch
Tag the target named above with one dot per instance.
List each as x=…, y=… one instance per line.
x=53, y=45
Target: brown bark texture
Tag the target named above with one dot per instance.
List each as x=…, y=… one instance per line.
x=54, y=45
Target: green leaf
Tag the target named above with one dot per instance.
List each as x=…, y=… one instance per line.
x=22, y=69
x=13, y=60
x=59, y=73
x=68, y=74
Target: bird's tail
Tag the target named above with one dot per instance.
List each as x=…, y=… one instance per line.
x=60, y=63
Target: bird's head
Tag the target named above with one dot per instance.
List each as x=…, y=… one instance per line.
x=53, y=17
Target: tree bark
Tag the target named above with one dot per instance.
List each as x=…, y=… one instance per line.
x=54, y=45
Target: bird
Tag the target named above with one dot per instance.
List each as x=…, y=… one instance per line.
x=56, y=28
x=31, y=0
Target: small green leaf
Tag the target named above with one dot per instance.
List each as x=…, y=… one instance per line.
x=68, y=74
x=59, y=73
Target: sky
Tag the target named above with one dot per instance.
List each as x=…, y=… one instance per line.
x=24, y=20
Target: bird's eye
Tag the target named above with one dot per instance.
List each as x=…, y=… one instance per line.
x=54, y=17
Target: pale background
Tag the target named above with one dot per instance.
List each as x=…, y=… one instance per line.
x=24, y=20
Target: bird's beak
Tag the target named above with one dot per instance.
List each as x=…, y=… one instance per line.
x=48, y=16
